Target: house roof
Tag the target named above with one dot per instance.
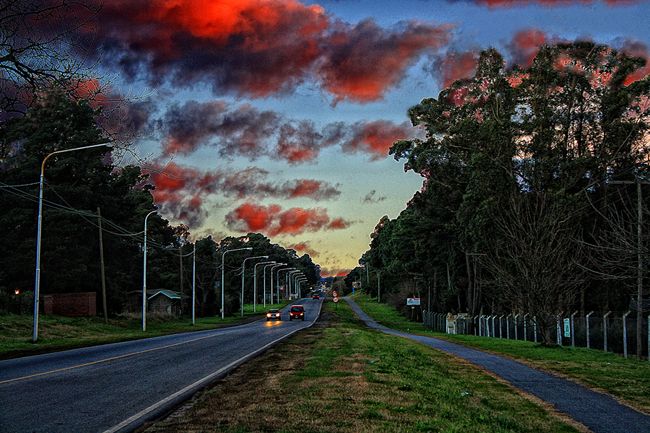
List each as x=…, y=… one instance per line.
x=167, y=293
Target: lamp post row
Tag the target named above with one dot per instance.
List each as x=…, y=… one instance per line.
x=37, y=273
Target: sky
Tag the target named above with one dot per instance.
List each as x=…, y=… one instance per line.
x=276, y=116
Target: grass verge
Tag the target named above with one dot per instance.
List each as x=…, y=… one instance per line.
x=346, y=378
x=626, y=379
x=59, y=333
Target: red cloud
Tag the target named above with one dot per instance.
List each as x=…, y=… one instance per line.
x=363, y=61
x=456, y=66
x=274, y=221
x=247, y=47
x=637, y=49
x=376, y=138
x=304, y=247
x=525, y=45
x=548, y=3
x=334, y=272
x=180, y=191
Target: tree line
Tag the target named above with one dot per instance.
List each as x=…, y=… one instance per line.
x=87, y=189
x=533, y=195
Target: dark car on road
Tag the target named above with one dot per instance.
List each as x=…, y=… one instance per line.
x=297, y=312
x=274, y=314
x=315, y=296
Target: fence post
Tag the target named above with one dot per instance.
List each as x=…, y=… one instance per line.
x=535, y=328
x=508, y=326
x=587, y=325
x=573, y=330
x=525, y=328
x=515, y=317
x=493, y=330
x=500, y=327
x=605, y=330
x=625, y=333
x=481, y=331
x=558, y=335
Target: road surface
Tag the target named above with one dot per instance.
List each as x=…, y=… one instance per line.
x=116, y=387
x=599, y=412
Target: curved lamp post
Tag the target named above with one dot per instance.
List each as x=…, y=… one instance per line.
x=264, y=281
x=271, y=281
x=39, y=230
x=144, y=274
x=243, y=268
x=223, y=275
x=255, y=283
x=273, y=269
x=277, y=281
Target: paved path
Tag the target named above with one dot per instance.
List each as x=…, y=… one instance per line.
x=117, y=387
x=599, y=412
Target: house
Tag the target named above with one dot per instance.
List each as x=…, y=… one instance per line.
x=159, y=301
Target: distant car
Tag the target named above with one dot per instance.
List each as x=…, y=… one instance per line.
x=297, y=312
x=315, y=296
x=273, y=314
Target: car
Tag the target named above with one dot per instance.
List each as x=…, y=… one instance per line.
x=297, y=312
x=315, y=296
x=273, y=314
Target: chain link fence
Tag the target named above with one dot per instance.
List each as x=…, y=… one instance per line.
x=605, y=332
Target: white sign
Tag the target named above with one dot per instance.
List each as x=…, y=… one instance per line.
x=412, y=301
x=567, y=328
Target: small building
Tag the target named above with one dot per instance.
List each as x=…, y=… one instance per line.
x=160, y=301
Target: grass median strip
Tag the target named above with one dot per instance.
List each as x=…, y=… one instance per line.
x=344, y=377
x=59, y=333
x=626, y=379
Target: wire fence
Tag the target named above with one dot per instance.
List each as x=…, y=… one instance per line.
x=617, y=334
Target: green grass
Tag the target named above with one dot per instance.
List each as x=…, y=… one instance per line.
x=626, y=379
x=347, y=378
x=59, y=333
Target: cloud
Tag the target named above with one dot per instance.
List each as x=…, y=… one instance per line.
x=455, y=66
x=362, y=61
x=547, y=3
x=254, y=48
x=304, y=247
x=372, y=197
x=334, y=272
x=273, y=220
x=181, y=190
x=525, y=45
x=634, y=48
x=376, y=138
x=248, y=132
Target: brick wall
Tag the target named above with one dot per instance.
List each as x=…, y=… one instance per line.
x=71, y=304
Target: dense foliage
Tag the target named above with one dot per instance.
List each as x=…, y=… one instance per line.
x=522, y=192
x=78, y=185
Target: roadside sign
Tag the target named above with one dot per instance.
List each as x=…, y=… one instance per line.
x=412, y=301
x=567, y=328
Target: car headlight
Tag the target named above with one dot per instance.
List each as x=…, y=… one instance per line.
x=268, y=315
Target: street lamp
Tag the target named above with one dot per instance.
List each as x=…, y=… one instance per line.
x=243, y=267
x=271, y=281
x=223, y=274
x=255, y=283
x=144, y=274
x=277, y=281
x=39, y=231
x=290, y=276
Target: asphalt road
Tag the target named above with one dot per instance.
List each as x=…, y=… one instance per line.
x=116, y=387
x=599, y=412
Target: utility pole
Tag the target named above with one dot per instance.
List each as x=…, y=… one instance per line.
x=180, y=263
x=101, y=264
x=639, y=257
